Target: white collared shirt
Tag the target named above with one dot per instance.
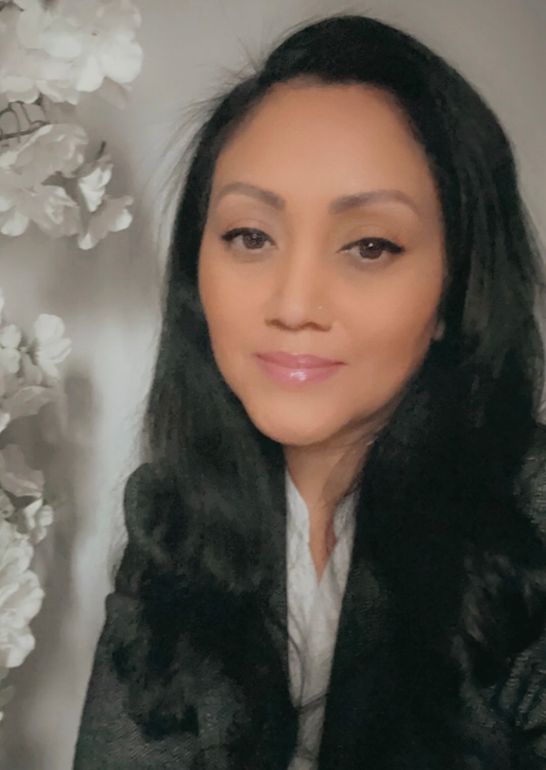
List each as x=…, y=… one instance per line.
x=313, y=615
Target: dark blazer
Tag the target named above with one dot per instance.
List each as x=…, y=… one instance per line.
x=504, y=723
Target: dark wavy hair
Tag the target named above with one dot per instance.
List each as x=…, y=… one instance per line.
x=456, y=443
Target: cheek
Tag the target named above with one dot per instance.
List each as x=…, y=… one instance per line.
x=227, y=308
x=395, y=325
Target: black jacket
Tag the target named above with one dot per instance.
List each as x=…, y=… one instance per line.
x=504, y=723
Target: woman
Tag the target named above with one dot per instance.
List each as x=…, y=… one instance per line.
x=340, y=566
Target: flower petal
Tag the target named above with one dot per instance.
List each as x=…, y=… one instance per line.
x=50, y=346
x=92, y=184
x=5, y=419
x=123, y=62
x=89, y=75
x=10, y=360
x=112, y=216
x=10, y=336
x=15, y=223
x=28, y=401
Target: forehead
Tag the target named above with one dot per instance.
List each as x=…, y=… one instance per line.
x=319, y=137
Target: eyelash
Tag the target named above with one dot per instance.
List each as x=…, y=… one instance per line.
x=386, y=245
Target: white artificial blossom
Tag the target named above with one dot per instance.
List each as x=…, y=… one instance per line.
x=29, y=379
x=52, y=54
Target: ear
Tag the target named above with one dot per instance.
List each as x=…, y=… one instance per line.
x=439, y=331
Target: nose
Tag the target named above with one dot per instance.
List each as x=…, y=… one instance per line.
x=300, y=291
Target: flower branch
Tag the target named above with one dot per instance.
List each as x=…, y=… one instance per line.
x=29, y=379
x=31, y=125
x=52, y=178
x=57, y=54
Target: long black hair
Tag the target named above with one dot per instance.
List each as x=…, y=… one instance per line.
x=456, y=443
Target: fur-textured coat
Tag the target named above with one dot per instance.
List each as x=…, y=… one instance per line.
x=368, y=722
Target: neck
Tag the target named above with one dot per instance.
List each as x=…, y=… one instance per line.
x=323, y=478
x=324, y=475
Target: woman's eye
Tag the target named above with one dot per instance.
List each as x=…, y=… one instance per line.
x=371, y=249
x=253, y=240
x=367, y=249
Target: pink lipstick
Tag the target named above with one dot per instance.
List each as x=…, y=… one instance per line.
x=297, y=370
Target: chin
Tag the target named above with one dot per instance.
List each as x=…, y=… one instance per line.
x=292, y=432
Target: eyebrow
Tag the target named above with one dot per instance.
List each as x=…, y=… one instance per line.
x=337, y=206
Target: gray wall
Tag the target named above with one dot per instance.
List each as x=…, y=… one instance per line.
x=109, y=297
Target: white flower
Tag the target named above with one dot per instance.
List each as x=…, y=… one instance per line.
x=10, y=339
x=46, y=29
x=53, y=210
x=13, y=222
x=10, y=359
x=49, y=206
x=109, y=50
x=111, y=217
x=16, y=477
x=93, y=179
x=52, y=149
x=68, y=48
x=20, y=596
x=10, y=336
x=24, y=72
x=27, y=401
x=24, y=199
x=20, y=400
x=50, y=346
x=106, y=214
x=12, y=199
x=36, y=518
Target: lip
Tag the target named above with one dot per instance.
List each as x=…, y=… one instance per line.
x=294, y=375
x=300, y=361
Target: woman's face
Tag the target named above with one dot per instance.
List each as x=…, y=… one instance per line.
x=294, y=258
